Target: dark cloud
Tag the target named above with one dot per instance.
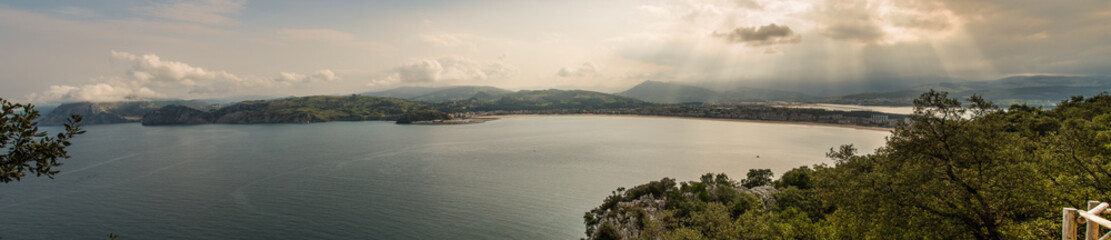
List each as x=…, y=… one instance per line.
x=770, y=34
x=1026, y=36
x=861, y=31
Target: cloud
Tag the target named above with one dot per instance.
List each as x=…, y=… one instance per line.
x=770, y=34
x=150, y=69
x=148, y=76
x=1038, y=36
x=444, y=69
x=449, y=40
x=94, y=92
x=211, y=12
x=586, y=70
x=750, y=4
x=331, y=36
x=860, y=31
x=287, y=78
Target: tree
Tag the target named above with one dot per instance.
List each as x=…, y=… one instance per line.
x=29, y=151
x=952, y=172
x=757, y=177
x=1078, y=149
x=799, y=177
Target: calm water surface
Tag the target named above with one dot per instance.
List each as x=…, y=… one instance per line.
x=518, y=178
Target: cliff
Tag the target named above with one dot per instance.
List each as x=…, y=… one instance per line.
x=176, y=115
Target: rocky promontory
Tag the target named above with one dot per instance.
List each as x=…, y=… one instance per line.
x=423, y=116
x=290, y=110
x=176, y=115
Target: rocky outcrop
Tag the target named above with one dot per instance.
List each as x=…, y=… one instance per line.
x=766, y=195
x=632, y=218
x=643, y=217
x=176, y=115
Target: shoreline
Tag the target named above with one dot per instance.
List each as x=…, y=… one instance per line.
x=455, y=121
x=694, y=118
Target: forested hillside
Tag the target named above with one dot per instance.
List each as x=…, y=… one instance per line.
x=956, y=170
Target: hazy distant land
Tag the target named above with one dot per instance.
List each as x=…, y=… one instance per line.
x=650, y=98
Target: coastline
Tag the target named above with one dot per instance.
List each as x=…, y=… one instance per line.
x=694, y=118
x=455, y=121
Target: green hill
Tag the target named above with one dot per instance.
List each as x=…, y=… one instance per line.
x=317, y=109
x=291, y=110
x=463, y=93
x=661, y=92
x=554, y=99
x=403, y=92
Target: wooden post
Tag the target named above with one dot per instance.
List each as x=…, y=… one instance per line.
x=1092, y=232
x=1068, y=224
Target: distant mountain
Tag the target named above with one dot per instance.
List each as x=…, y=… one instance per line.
x=236, y=99
x=404, y=92
x=359, y=108
x=462, y=93
x=442, y=94
x=661, y=92
x=554, y=99
x=755, y=94
x=1033, y=90
x=112, y=112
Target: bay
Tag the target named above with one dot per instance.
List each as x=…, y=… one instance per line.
x=514, y=178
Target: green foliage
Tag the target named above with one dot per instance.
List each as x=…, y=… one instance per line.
x=758, y=177
x=423, y=115
x=955, y=170
x=608, y=232
x=800, y=177
x=317, y=109
x=711, y=208
x=30, y=151
x=555, y=100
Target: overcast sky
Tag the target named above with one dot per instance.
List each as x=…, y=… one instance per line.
x=54, y=51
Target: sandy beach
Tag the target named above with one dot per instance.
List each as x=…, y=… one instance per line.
x=694, y=118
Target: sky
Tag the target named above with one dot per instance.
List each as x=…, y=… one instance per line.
x=64, y=51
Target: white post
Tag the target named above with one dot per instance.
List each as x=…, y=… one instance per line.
x=1092, y=232
x=1068, y=224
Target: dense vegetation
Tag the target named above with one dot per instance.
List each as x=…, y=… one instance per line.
x=28, y=150
x=423, y=115
x=953, y=171
x=553, y=99
x=316, y=109
x=463, y=93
